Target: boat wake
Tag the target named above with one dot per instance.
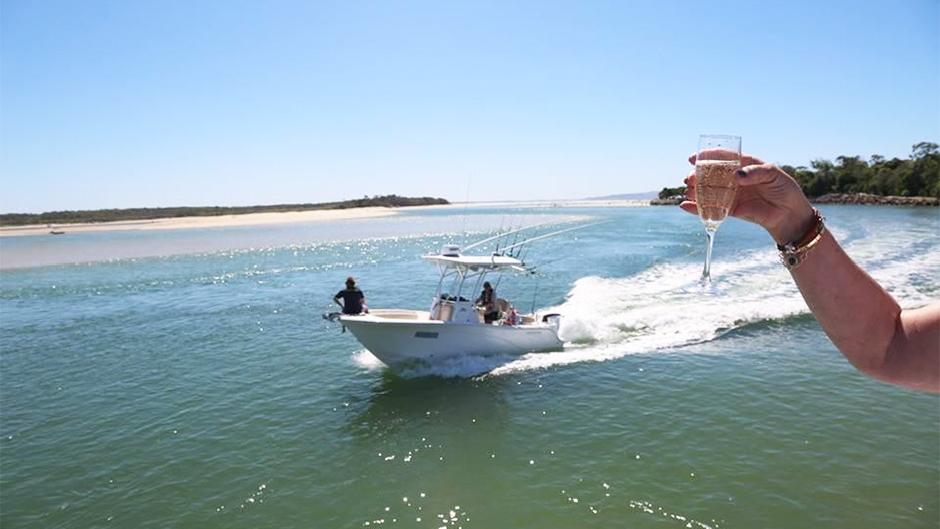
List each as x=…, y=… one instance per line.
x=666, y=306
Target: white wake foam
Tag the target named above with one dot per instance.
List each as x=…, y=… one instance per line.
x=665, y=307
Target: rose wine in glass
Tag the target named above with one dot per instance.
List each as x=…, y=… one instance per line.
x=717, y=159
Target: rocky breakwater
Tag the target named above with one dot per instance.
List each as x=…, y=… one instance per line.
x=671, y=200
x=878, y=200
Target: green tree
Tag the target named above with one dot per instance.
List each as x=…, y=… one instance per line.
x=918, y=175
x=822, y=180
x=925, y=174
x=669, y=192
x=850, y=174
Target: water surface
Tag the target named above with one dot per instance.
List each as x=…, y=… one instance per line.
x=204, y=390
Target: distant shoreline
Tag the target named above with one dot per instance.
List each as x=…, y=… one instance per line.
x=218, y=221
x=863, y=199
x=287, y=217
x=877, y=200
x=145, y=214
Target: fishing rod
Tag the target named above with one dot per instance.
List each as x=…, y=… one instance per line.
x=515, y=239
x=502, y=223
x=542, y=264
x=511, y=232
x=535, y=294
x=552, y=234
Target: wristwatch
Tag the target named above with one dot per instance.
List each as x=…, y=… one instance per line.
x=792, y=254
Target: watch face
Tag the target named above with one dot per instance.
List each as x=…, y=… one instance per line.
x=792, y=260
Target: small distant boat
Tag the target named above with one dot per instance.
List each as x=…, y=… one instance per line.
x=56, y=232
x=454, y=326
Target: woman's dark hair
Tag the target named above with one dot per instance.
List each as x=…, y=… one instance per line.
x=486, y=284
x=350, y=281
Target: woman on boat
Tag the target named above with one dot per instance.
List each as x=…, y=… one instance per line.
x=487, y=300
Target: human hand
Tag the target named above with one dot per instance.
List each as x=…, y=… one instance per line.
x=766, y=196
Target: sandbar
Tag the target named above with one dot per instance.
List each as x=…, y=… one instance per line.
x=220, y=221
x=542, y=204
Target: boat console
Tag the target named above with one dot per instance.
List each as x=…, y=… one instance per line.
x=455, y=310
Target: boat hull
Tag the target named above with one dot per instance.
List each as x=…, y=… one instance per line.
x=400, y=338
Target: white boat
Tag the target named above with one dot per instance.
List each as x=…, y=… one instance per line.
x=454, y=326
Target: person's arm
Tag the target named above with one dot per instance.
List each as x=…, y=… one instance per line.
x=859, y=316
x=866, y=323
x=336, y=300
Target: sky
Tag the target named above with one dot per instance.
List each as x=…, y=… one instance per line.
x=227, y=102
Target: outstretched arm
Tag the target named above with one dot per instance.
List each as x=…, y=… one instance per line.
x=859, y=316
x=866, y=323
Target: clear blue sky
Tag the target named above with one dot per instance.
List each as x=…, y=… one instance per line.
x=160, y=103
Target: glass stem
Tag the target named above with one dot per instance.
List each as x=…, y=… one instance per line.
x=710, y=242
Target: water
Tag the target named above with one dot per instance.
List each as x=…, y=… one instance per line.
x=204, y=390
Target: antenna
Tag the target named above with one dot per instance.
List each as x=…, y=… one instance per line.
x=466, y=207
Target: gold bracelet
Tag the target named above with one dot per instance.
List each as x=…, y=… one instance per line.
x=794, y=253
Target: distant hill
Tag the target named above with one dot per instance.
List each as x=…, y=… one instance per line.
x=111, y=215
x=627, y=196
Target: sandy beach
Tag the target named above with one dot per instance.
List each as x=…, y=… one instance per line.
x=260, y=219
x=539, y=204
x=222, y=221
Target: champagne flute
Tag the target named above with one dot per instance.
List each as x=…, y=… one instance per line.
x=717, y=159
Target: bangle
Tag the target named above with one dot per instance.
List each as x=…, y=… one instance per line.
x=794, y=253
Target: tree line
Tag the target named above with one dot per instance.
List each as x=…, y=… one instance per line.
x=917, y=175
x=111, y=215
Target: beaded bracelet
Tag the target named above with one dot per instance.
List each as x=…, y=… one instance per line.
x=794, y=253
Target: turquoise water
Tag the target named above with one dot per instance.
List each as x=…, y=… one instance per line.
x=204, y=390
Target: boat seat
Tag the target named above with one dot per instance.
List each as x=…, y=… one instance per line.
x=445, y=311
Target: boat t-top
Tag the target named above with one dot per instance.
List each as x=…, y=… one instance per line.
x=454, y=325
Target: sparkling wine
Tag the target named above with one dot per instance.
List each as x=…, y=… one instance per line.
x=715, y=187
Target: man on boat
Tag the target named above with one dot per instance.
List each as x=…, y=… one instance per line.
x=487, y=300
x=354, y=301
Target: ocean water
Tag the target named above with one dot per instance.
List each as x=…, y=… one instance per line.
x=188, y=380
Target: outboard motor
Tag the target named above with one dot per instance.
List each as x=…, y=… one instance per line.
x=553, y=319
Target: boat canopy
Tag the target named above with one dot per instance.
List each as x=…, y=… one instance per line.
x=475, y=262
x=451, y=260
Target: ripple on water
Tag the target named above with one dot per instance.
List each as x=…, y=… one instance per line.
x=142, y=392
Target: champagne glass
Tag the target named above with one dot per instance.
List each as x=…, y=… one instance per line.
x=717, y=159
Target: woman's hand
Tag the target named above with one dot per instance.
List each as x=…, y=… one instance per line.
x=766, y=196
